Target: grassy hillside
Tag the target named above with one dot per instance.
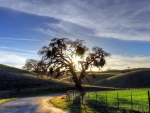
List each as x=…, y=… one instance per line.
x=10, y=77
x=136, y=78
x=13, y=81
x=99, y=76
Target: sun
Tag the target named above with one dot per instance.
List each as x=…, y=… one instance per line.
x=75, y=60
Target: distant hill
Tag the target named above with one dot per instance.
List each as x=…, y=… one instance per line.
x=136, y=78
x=10, y=76
x=17, y=79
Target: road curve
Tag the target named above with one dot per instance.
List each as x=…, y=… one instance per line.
x=37, y=104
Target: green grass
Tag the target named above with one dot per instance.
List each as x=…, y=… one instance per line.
x=61, y=102
x=139, y=99
x=91, y=107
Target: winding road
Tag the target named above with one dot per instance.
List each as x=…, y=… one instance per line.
x=37, y=104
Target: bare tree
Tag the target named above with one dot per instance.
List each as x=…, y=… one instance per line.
x=31, y=65
x=61, y=54
x=36, y=66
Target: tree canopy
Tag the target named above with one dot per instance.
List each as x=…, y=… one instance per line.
x=62, y=52
x=39, y=67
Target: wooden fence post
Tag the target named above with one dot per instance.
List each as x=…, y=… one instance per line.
x=131, y=101
x=82, y=97
x=106, y=99
x=96, y=97
x=149, y=101
x=118, y=99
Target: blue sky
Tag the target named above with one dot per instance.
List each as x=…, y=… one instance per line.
x=120, y=27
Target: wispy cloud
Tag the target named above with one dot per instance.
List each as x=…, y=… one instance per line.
x=21, y=39
x=67, y=29
x=4, y=47
x=126, y=20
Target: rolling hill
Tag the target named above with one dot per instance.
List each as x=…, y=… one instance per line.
x=136, y=78
x=11, y=77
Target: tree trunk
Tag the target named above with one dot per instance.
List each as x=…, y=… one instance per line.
x=76, y=80
x=78, y=86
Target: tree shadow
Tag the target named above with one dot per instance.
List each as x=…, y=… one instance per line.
x=77, y=108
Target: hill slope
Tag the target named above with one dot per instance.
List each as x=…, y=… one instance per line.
x=137, y=78
x=10, y=77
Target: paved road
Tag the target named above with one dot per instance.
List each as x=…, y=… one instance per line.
x=31, y=105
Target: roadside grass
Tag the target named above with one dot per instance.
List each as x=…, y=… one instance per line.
x=6, y=100
x=61, y=102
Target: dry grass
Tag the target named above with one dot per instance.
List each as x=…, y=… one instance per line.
x=133, y=79
x=6, y=100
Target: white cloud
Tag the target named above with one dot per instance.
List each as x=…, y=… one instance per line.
x=67, y=29
x=14, y=59
x=126, y=20
x=122, y=62
x=10, y=48
x=114, y=62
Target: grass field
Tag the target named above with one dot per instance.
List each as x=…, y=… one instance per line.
x=96, y=102
x=129, y=99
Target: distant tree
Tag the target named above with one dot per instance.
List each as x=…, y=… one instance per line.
x=67, y=56
x=36, y=66
x=31, y=65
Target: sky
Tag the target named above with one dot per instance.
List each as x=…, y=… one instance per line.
x=120, y=27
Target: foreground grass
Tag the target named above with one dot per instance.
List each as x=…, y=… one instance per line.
x=60, y=102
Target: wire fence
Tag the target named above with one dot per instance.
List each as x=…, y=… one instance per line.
x=117, y=99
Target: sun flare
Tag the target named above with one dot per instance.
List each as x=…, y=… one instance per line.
x=75, y=60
